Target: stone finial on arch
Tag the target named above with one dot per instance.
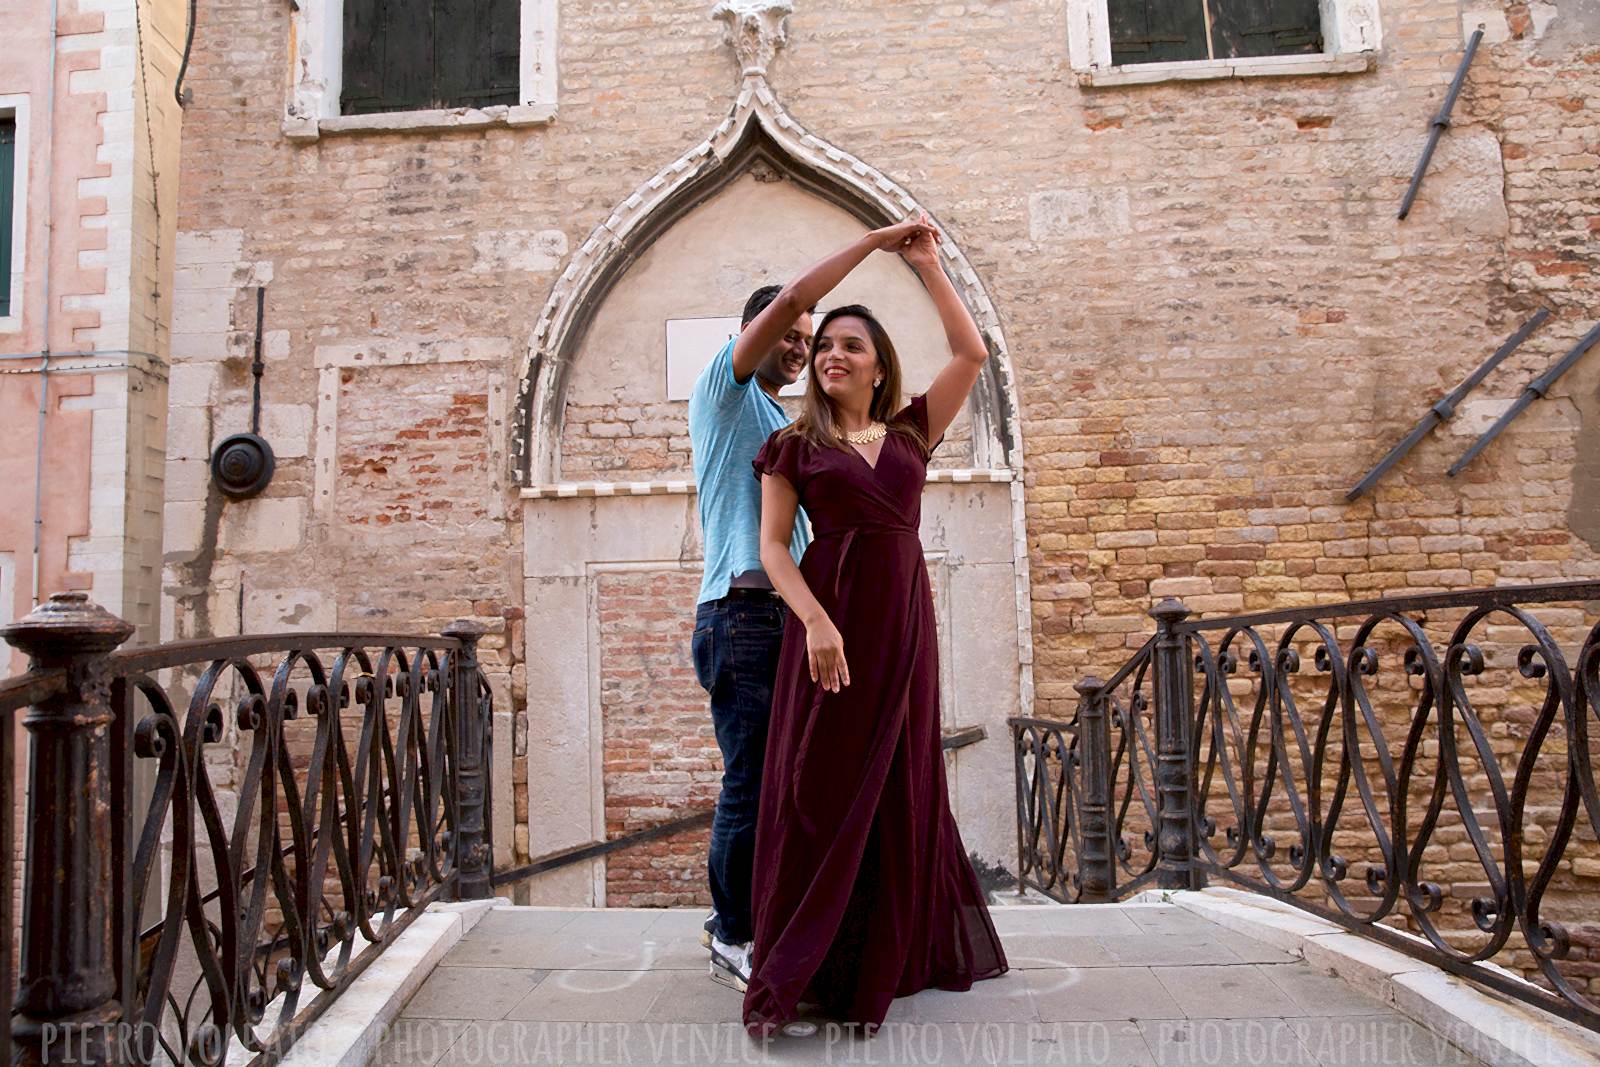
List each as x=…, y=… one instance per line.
x=755, y=29
x=757, y=130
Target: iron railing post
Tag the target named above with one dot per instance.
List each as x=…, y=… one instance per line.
x=1020, y=778
x=1097, y=865
x=1174, y=693
x=67, y=996
x=473, y=876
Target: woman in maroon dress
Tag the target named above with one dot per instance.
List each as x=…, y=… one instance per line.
x=863, y=891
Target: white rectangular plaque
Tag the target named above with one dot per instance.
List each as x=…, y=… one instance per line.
x=691, y=344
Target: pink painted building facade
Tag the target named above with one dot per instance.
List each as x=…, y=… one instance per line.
x=89, y=130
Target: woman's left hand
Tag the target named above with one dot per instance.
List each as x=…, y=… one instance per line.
x=922, y=252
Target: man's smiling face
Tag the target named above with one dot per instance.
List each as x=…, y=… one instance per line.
x=789, y=356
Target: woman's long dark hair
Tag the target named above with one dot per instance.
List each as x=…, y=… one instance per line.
x=817, y=421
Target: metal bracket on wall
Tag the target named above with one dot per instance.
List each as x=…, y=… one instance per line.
x=242, y=465
x=1540, y=386
x=1446, y=407
x=1441, y=121
x=961, y=736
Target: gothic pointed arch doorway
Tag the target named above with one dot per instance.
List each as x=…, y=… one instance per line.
x=618, y=733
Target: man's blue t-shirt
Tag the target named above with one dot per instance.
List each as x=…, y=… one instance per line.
x=729, y=421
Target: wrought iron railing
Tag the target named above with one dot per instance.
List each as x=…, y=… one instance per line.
x=1419, y=770
x=223, y=834
x=1066, y=794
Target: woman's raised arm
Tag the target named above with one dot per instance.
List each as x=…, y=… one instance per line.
x=814, y=283
x=968, y=350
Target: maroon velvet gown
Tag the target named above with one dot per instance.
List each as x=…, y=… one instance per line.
x=862, y=888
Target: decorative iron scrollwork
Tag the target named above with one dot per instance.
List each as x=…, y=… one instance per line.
x=1443, y=745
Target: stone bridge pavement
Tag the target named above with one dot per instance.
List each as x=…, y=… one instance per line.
x=1123, y=985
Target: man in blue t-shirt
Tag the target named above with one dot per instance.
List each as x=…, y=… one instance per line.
x=739, y=619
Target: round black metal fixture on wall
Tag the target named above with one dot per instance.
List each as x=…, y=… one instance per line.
x=242, y=465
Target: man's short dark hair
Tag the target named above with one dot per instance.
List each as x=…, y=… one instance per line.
x=758, y=303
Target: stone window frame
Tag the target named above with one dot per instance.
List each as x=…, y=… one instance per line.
x=14, y=106
x=1351, y=35
x=312, y=108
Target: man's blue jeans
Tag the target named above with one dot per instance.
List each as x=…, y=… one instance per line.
x=735, y=645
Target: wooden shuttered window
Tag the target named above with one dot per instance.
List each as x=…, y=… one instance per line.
x=8, y=184
x=1157, y=31
x=1241, y=28
x=1166, y=31
x=476, y=49
x=417, y=55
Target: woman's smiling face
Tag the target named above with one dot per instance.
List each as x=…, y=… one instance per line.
x=845, y=362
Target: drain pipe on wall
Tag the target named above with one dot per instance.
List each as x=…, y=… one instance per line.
x=49, y=232
x=38, y=470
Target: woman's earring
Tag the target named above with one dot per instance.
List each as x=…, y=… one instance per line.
x=877, y=382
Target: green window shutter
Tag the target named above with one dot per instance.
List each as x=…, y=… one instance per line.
x=388, y=56
x=477, y=46
x=8, y=183
x=1241, y=28
x=1157, y=31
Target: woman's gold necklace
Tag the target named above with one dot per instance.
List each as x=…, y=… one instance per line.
x=874, y=432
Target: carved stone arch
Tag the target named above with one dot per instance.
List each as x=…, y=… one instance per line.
x=757, y=131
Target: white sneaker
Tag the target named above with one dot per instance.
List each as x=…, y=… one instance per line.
x=706, y=928
x=730, y=964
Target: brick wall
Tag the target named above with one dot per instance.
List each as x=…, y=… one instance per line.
x=403, y=474
x=1217, y=323
x=623, y=441
x=1205, y=451
x=661, y=756
x=627, y=441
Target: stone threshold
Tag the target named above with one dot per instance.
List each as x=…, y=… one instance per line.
x=349, y=1032
x=1501, y=1031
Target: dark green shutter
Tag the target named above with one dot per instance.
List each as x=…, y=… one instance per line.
x=1242, y=28
x=361, y=87
x=388, y=56
x=477, y=46
x=8, y=183
x=414, y=55
x=1157, y=31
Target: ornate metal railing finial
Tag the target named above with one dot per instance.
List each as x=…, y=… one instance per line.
x=755, y=29
x=68, y=964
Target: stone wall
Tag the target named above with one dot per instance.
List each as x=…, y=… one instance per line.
x=1215, y=320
